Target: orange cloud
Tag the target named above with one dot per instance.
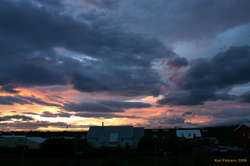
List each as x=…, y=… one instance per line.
x=199, y=119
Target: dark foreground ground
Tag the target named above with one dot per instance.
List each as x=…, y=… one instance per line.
x=58, y=151
x=125, y=160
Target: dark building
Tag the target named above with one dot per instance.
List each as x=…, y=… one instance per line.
x=115, y=136
x=242, y=134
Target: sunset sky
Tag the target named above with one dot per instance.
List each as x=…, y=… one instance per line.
x=70, y=64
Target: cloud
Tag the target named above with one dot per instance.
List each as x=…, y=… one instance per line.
x=90, y=107
x=182, y=20
x=38, y=125
x=211, y=79
x=93, y=113
x=104, y=106
x=101, y=109
x=18, y=117
x=9, y=89
x=166, y=121
x=29, y=55
x=232, y=113
x=11, y=100
x=187, y=113
x=124, y=105
x=177, y=62
x=54, y=115
x=194, y=97
x=39, y=101
x=29, y=74
x=33, y=125
x=103, y=3
x=245, y=97
x=119, y=48
x=217, y=117
x=83, y=5
x=104, y=115
x=226, y=122
x=224, y=70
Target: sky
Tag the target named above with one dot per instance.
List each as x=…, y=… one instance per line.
x=71, y=64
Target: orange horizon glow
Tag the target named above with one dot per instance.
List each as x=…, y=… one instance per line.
x=141, y=116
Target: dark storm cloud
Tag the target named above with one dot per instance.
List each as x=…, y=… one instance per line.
x=167, y=120
x=90, y=107
x=226, y=122
x=213, y=17
x=210, y=79
x=39, y=101
x=177, y=62
x=48, y=114
x=85, y=114
x=223, y=117
x=18, y=117
x=28, y=57
x=9, y=89
x=187, y=113
x=34, y=125
x=227, y=117
x=104, y=106
x=120, y=104
x=36, y=27
x=101, y=109
x=194, y=97
x=29, y=74
x=103, y=3
x=17, y=73
x=40, y=29
x=232, y=113
x=174, y=120
x=63, y=3
x=53, y=3
x=11, y=100
x=127, y=81
x=183, y=20
x=224, y=70
x=53, y=115
x=103, y=115
x=245, y=97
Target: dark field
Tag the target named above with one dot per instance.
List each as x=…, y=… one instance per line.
x=126, y=160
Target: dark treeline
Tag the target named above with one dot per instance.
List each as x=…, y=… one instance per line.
x=47, y=134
